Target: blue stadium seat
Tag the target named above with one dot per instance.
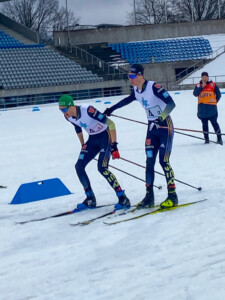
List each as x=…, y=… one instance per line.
x=165, y=50
x=24, y=66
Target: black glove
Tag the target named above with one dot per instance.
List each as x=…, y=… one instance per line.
x=160, y=119
x=108, y=111
x=114, y=150
x=156, y=123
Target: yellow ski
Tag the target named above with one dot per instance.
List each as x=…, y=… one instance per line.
x=155, y=212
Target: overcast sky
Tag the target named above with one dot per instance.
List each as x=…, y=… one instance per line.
x=93, y=12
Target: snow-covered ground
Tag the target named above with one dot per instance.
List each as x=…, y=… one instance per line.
x=216, y=40
x=177, y=255
x=214, y=68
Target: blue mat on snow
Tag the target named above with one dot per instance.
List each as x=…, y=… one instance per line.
x=40, y=190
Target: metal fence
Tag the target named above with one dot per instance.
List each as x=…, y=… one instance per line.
x=194, y=80
x=200, y=63
x=109, y=72
x=16, y=101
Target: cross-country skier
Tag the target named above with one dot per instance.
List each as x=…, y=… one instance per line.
x=158, y=104
x=102, y=140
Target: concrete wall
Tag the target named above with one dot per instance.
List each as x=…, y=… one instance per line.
x=24, y=31
x=124, y=84
x=141, y=32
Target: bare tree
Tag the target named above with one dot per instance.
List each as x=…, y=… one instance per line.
x=147, y=12
x=160, y=11
x=60, y=19
x=199, y=9
x=40, y=15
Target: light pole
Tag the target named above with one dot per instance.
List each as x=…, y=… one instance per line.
x=219, y=13
x=67, y=24
x=166, y=11
x=135, y=16
x=192, y=11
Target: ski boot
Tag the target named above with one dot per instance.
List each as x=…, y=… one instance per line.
x=220, y=141
x=89, y=202
x=124, y=202
x=148, y=200
x=206, y=137
x=171, y=200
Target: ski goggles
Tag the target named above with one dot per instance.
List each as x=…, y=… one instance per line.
x=65, y=109
x=132, y=76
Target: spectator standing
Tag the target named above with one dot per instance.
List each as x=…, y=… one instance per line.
x=208, y=94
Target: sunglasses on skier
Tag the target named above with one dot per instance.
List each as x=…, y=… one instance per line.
x=65, y=109
x=132, y=76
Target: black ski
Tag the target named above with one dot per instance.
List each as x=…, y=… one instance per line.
x=91, y=220
x=60, y=215
x=102, y=216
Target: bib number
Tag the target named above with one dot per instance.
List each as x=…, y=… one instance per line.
x=153, y=111
x=97, y=128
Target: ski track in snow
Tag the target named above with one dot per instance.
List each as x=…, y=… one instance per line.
x=177, y=255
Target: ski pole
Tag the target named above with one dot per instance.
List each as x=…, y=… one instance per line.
x=194, y=136
x=193, y=130
x=129, y=119
x=164, y=127
x=158, y=187
x=199, y=188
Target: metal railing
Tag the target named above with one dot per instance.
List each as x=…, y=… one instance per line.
x=109, y=72
x=216, y=53
x=18, y=101
x=198, y=64
x=194, y=80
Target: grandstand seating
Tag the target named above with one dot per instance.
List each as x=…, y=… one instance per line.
x=25, y=66
x=163, y=50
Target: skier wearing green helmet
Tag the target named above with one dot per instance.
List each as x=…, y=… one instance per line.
x=102, y=140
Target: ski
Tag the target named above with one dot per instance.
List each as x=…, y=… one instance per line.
x=155, y=211
x=102, y=216
x=3, y=186
x=125, y=211
x=134, y=209
x=91, y=220
x=61, y=214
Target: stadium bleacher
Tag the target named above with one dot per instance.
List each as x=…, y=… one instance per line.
x=163, y=50
x=26, y=66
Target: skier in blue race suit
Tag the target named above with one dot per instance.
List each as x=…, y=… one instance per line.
x=102, y=140
x=157, y=104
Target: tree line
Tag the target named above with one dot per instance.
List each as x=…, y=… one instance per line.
x=45, y=16
x=42, y=16
x=162, y=11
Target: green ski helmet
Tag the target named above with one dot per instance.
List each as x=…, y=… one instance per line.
x=66, y=100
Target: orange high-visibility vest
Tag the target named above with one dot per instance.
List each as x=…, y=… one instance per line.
x=207, y=95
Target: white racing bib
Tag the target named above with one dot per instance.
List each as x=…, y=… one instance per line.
x=89, y=124
x=153, y=105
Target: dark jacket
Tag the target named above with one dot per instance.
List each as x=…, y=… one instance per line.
x=206, y=110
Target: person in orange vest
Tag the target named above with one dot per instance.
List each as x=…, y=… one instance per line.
x=208, y=94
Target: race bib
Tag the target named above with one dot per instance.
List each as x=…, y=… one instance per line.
x=153, y=112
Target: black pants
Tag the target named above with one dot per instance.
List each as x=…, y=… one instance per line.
x=215, y=126
x=159, y=140
x=99, y=143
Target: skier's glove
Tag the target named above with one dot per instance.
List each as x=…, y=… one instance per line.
x=156, y=123
x=115, y=151
x=108, y=111
x=84, y=146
